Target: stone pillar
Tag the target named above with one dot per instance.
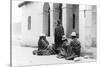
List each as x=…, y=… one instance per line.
x=64, y=18
x=51, y=22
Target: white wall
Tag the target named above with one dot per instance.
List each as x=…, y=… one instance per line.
x=16, y=21
x=34, y=10
x=87, y=27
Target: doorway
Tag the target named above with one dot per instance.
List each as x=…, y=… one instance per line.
x=46, y=19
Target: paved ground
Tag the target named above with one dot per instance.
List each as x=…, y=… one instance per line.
x=22, y=55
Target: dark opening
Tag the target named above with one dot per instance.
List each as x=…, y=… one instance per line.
x=49, y=22
x=60, y=13
x=73, y=21
x=29, y=22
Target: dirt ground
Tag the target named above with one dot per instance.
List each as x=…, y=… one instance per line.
x=22, y=56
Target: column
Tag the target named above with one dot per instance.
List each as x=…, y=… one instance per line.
x=51, y=22
x=64, y=18
x=51, y=19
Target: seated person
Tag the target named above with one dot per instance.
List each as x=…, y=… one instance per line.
x=66, y=50
x=43, y=47
x=63, y=47
x=42, y=43
x=75, y=44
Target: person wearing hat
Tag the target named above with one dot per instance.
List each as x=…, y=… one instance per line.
x=42, y=42
x=63, y=49
x=75, y=44
x=66, y=50
x=44, y=47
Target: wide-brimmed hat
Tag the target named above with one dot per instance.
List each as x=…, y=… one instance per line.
x=64, y=37
x=42, y=35
x=73, y=34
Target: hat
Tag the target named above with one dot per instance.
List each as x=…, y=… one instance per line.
x=73, y=34
x=64, y=37
x=42, y=35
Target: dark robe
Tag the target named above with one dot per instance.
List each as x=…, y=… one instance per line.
x=43, y=47
x=59, y=32
x=42, y=44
